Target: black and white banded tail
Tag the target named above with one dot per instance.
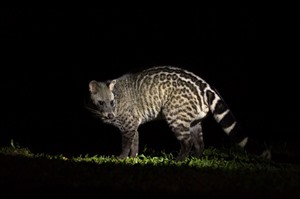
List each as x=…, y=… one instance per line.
x=225, y=118
x=223, y=115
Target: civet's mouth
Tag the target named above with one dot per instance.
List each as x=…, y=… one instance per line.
x=107, y=116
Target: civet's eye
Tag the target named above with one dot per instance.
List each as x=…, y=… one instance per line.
x=112, y=102
x=101, y=102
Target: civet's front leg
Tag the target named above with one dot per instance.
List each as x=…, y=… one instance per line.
x=127, y=141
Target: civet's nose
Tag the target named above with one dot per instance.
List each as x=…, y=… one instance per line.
x=110, y=116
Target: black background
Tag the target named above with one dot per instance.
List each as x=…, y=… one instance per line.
x=50, y=55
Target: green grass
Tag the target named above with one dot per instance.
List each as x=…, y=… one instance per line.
x=219, y=173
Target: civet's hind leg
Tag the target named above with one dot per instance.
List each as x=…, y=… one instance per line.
x=183, y=136
x=197, y=139
x=134, y=149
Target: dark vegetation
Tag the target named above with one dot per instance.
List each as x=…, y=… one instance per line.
x=220, y=173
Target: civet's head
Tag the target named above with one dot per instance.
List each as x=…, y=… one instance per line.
x=103, y=98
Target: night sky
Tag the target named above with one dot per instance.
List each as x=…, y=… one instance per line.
x=52, y=54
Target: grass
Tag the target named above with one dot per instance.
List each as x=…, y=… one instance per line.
x=219, y=173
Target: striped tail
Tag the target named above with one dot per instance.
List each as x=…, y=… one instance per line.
x=226, y=119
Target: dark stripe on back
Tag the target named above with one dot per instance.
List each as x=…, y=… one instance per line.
x=210, y=96
x=155, y=70
x=168, y=69
x=201, y=85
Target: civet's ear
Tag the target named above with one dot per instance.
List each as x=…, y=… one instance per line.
x=92, y=86
x=111, y=84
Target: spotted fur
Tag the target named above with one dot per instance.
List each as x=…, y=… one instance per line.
x=181, y=97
